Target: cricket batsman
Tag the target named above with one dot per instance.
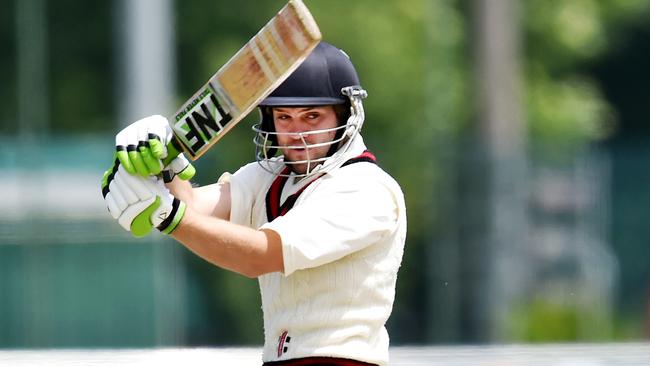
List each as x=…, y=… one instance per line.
x=315, y=219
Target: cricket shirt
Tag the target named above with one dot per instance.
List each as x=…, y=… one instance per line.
x=342, y=243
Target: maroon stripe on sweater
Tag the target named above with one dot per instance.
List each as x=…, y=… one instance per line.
x=273, y=207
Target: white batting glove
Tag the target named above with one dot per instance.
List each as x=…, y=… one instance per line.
x=140, y=204
x=142, y=148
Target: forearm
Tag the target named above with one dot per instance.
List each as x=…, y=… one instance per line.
x=234, y=247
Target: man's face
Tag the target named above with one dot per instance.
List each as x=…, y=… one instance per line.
x=291, y=122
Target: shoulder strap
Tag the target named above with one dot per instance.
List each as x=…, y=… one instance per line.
x=273, y=196
x=366, y=156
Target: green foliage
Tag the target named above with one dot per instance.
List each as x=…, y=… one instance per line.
x=7, y=71
x=564, y=106
x=566, y=113
x=81, y=67
x=544, y=321
x=413, y=57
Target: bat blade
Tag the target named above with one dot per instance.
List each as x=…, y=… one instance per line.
x=245, y=80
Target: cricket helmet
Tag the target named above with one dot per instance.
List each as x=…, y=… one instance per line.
x=326, y=77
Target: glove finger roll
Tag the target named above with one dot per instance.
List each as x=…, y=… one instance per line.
x=113, y=209
x=158, y=149
x=117, y=196
x=123, y=157
x=155, y=185
x=135, y=183
x=127, y=192
x=136, y=160
x=154, y=165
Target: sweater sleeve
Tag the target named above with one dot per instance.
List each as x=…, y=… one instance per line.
x=244, y=184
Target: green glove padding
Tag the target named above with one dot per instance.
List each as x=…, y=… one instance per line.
x=147, y=147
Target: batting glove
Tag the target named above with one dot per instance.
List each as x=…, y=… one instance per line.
x=140, y=203
x=143, y=146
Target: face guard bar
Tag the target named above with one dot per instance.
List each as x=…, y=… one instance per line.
x=266, y=141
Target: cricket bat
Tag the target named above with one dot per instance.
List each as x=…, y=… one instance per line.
x=244, y=81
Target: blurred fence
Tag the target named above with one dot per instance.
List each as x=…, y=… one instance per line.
x=68, y=276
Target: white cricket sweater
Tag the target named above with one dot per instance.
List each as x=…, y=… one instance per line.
x=342, y=246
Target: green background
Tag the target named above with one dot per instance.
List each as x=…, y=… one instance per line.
x=69, y=277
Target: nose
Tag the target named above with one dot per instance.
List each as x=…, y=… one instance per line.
x=295, y=135
x=296, y=131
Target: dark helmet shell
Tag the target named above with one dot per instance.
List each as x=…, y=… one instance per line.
x=317, y=81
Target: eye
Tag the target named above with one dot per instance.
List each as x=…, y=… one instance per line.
x=312, y=115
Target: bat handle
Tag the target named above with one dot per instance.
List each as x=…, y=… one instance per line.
x=185, y=172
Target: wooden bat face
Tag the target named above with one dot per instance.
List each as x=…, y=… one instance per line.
x=246, y=79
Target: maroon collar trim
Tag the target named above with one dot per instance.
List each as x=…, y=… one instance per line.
x=273, y=207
